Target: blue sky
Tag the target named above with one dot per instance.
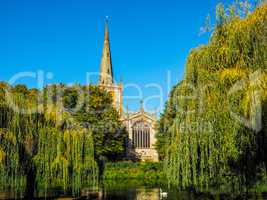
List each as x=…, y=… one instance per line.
x=149, y=39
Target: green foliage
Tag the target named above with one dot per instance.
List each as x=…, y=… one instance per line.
x=165, y=122
x=145, y=172
x=52, y=138
x=207, y=146
x=42, y=145
x=65, y=158
x=92, y=106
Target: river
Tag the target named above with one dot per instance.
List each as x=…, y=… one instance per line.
x=141, y=193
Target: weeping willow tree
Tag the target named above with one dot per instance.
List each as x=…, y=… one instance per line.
x=65, y=154
x=42, y=146
x=218, y=137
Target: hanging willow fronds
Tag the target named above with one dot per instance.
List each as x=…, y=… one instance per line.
x=52, y=142
x=213, y=148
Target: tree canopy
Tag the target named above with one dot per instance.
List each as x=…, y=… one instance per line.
x=216, y=122
x=48, y=140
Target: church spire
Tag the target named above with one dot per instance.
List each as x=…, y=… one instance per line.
x=106, y=71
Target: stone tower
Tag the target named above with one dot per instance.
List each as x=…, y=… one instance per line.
x=106, y=79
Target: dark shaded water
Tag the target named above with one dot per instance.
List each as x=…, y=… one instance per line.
x=155, y=194
x=142, y=193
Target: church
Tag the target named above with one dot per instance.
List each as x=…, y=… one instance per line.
x=140, y=125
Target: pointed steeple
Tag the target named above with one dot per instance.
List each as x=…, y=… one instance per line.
x=106, y=71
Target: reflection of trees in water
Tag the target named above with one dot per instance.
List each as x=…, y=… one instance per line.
x=132, y=194
x=144, y=194
x=120, y=195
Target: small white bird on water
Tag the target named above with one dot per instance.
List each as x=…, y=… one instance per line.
x=163, y=194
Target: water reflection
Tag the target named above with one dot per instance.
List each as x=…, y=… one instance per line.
x=140, y=193
x=154, y=194
x=133, y=194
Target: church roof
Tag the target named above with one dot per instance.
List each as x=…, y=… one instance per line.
x=140, y=114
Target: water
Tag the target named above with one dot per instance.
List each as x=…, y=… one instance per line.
x=142, y=193
x=154, y=194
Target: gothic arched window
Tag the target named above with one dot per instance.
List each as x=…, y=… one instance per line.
x=141, y=135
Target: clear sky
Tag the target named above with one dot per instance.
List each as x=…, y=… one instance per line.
x=149, y=40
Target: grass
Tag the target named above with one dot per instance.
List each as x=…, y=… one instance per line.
x=144, y=173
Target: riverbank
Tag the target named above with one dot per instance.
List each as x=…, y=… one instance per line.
x=147, y=173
